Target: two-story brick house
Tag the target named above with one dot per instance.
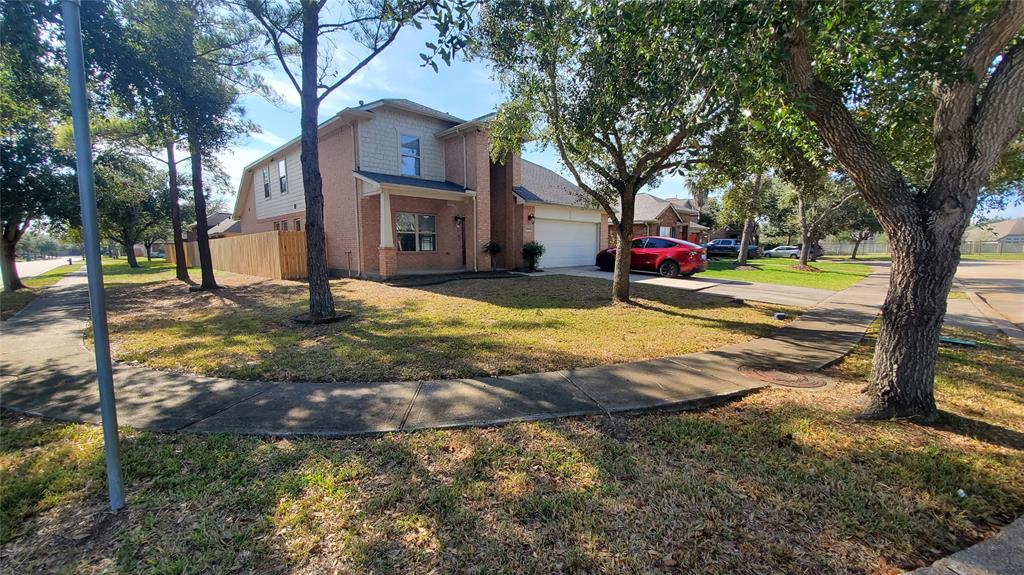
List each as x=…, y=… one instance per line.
x=409, y=189
x=671, y=218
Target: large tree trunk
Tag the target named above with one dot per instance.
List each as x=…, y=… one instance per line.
x=180, y=267
x=321, y=302
x=748, y=224
x=129, y=250
x=202, y=227
x=924, y=261
x=620, y=276
x=12, y=281
x=149, y=251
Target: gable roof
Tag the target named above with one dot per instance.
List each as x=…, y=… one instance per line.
x=409, y=106
x=543, y=186
x=684, y=205
x=344, y=116
x=993, y=232
x=648, y=208
x=227, y=225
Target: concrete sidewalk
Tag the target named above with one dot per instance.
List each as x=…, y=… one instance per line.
x=1000, y=555
x=47, y=371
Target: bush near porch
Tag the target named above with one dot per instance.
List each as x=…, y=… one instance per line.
x=459, y=329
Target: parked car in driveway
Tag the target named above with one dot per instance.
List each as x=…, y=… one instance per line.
x=794, y=252
x=669, y=257
x=727, y=248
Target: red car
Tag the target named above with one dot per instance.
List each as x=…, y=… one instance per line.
x=667, y=256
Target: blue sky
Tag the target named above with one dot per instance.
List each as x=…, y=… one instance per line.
x=464, y=89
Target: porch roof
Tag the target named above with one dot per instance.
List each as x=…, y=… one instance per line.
x=393, y=180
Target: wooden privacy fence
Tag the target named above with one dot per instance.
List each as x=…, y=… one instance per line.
x=275, y=254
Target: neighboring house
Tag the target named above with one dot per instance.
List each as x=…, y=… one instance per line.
x=408, y=189
x=212, y=222
x=671, y=218
x=1004, y=233
x=225, y=228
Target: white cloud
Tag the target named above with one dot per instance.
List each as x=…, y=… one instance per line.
x=267, y=138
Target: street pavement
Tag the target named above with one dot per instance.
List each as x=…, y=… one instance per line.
x=999, y=282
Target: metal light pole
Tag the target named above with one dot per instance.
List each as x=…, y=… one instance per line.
x=94, y=267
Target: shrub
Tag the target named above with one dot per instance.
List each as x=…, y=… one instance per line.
x=532, y=252
x=492, y=248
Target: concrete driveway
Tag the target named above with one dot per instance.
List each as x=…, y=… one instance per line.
x=999, y=282
x=767, y=293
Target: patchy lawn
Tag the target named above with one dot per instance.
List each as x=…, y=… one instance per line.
x=116, y=271
x=833, y=276
x=13, y=302
x=783, y=481
x=458, y=329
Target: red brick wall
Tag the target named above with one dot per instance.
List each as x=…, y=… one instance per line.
x=369, y=209
x=503, y=220
x=453, y=160
x=448, y=255
x=337, y=160
x=480, y=180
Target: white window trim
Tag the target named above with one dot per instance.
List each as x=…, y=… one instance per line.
x=419, y=156
x=417, y=233
x=282, y=175
x=266, y=181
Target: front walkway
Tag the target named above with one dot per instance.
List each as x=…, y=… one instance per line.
x=768, y=293
x=47, y=371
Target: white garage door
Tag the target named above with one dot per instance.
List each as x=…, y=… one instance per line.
x=566, y=243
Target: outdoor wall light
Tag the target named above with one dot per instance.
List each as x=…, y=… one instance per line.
x=530, y=217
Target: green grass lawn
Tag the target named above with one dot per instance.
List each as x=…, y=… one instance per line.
x=992, y=256
x=116, y=271
x=783, y=481
x=459, y=329
x=13, y=302
x=833, y=276
x=869, y=257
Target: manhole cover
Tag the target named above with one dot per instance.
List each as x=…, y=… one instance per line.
x=785, y=378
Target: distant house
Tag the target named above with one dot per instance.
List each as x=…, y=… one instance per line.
x=216, y=227
x=225, y=228
x=666, y=217
x=1005, y=233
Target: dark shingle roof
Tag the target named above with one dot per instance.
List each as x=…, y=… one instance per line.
x=543, y=186
x=409, y=181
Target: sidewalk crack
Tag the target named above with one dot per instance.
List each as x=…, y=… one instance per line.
x=584, y=392
x=412, y=402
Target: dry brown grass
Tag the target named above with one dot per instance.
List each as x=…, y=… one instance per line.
x=460, y=329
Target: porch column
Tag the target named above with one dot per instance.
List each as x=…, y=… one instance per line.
x=387, y=238
x=388, y=258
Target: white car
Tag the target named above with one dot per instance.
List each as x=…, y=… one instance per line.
x=783, y=252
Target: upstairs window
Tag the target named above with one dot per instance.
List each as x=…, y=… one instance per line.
x=282, y=176
x=410, y=156
x=266, y=182
x=416, y=232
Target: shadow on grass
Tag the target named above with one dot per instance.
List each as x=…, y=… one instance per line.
x=788, y=488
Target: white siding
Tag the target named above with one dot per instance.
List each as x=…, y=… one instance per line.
x=279, y=204
x=567, y=213
x=379, y=148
